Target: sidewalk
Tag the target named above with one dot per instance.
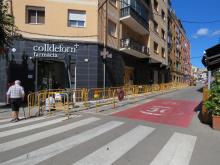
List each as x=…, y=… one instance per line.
x=5, y=110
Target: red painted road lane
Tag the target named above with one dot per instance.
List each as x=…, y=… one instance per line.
x=171, y=112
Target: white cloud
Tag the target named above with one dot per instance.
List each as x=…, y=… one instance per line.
x=194, y=36
x=217, y=32
x=203, y=32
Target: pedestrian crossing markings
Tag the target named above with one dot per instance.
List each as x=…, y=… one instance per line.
x=182, y=143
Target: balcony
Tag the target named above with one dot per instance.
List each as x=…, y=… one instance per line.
x=133, y=20
x=132, y=47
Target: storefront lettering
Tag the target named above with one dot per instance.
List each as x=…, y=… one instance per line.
x=50, y=50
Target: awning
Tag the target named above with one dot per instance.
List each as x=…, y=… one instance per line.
x=211, y=58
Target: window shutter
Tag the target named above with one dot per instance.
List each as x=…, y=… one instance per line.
x=77, y=16
x=111, y=28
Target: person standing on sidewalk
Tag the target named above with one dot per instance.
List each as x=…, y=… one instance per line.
x=16, y=95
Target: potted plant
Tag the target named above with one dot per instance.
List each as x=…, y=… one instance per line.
x=213, y=104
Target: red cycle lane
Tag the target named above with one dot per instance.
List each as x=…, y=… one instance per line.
x=171, y=112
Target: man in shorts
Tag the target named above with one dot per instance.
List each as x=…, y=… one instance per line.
x=16, y=95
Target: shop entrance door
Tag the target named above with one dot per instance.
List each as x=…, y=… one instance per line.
x=128, y=76
x=51, y=71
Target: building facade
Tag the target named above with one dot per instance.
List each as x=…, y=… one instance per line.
x=178, y=48
x=87, y=44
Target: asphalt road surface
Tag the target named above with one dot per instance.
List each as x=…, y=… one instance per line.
x=165, y=129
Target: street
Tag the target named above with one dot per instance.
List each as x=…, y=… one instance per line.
x=165, y=129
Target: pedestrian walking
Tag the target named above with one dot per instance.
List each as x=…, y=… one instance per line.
x=15, y=96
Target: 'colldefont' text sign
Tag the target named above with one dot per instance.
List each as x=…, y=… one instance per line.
x=51, y=50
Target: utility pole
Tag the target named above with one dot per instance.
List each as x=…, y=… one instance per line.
x=106, y=36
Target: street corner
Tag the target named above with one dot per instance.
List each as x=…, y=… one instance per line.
x=171, y=112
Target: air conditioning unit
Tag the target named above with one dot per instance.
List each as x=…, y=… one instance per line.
x=127, y=42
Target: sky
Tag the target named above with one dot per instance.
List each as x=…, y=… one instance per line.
x=201, y=35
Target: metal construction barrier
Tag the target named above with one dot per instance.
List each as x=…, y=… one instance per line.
x=95, y=97
x=77, y=96
x=155, y=88
x=32, y=100
x=53, y=101
x=103, y=97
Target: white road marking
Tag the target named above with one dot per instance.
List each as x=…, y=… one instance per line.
x=47, y=152
x=23, y=122
x=38, y=136
x=178, y=150
x=31, y=127
x=115, y=149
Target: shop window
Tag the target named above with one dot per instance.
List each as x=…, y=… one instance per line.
x=111, y=28
x=35, y=15
x=77, y=19
x=155, y=47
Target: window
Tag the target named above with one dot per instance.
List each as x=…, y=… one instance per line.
x=169, y=39
x=113, y=2
x=155, y=27
x=155, y=47
x=177, y=31
x=35, y=15
x=163, y=15
x=163, y=53
x=155, y=5
x=185, y=44
x=111, y=28
x=177, y=43
x=77, y=18
x=177, y=55
x=147, y=2
x=163, y=34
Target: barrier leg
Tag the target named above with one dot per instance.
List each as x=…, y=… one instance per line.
x=96, y=106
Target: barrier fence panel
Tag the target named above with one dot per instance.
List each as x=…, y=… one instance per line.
x=90, y=97
x=54, y=101
x=103, y=97
x=32, y=100
x=76, y=96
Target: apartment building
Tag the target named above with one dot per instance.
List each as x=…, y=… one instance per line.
x=194, y=72
x=107, y=43
x=178, y=48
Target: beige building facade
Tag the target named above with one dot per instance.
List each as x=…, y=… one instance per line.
x=107, y=43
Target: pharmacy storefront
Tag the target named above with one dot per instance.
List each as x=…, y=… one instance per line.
x=39, y=64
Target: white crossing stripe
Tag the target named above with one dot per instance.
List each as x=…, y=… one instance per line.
x=38, y=136
x=23, y=122
x=111, y=152
x=47, y=152
x=4, y=120
x=30, y=127
x=178, y=150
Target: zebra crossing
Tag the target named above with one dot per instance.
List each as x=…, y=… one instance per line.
x=177, y=150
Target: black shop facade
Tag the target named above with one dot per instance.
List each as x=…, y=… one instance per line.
x=39, y=64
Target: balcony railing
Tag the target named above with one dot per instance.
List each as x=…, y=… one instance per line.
x=129, y=11
x=130, y=43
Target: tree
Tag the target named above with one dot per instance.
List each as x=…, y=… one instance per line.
x=6, y=26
